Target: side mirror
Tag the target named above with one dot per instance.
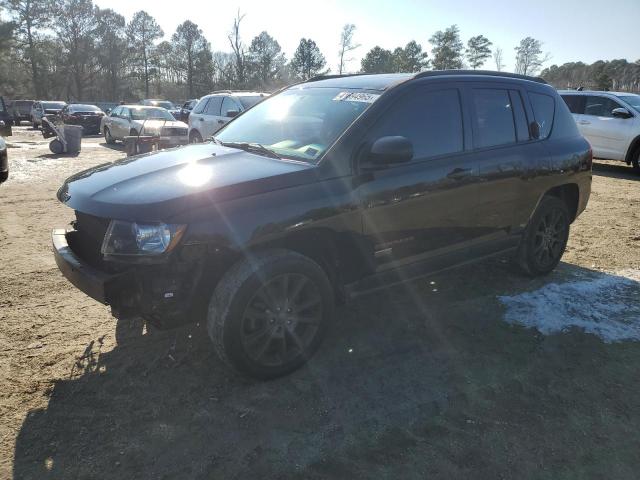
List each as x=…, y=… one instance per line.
x=390, y=150
x=621, y=113
x=232, y=113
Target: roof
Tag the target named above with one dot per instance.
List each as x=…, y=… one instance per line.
x=599, y=92
x=237, y=93
x=383, y=81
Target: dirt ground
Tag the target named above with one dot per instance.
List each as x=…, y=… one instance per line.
x=427, y=380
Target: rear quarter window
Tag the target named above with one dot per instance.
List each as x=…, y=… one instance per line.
x=543, y=110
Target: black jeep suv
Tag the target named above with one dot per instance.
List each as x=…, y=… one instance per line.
x=329, y=189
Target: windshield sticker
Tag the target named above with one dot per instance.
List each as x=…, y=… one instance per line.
x=356, y=97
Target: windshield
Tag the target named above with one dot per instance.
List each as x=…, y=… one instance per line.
x=299, y=123
x=163, y=104
x=83, y=108
x=633, y=100
x=248, y=102
x=53, y=105
x=151, y=113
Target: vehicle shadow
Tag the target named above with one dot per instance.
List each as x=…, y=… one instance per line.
x=617, y=170
x=113, y=146
x=422, y=377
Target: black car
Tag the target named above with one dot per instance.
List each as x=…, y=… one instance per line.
x=6, y=119
x=329, y=189
x=87, y=116
x=185, y=111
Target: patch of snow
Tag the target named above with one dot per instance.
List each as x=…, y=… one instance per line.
x=603, y=304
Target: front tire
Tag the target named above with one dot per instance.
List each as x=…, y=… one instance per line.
x=545, y=238
x=270, y=312
x=195, y=137
x=108, y=137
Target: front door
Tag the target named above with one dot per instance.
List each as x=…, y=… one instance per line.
x=211, y=118
x=423, y=208
x=608, y=135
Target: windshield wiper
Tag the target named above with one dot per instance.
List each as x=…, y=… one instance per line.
x=250, y=147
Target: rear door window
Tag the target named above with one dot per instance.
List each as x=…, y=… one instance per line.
x=493, y=121
x=213, y=107
x=431, y=120
x=544, y=110
x=575, y=103
x=520, y=116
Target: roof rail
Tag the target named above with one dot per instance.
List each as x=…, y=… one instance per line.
x=317, y=78
x=489, y=73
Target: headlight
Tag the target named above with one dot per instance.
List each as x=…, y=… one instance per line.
x=131, y=238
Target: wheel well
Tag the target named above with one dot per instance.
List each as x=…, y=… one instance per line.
x=633, y=148
x=569, y=194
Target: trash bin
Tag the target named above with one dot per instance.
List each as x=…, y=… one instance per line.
x=73, y=137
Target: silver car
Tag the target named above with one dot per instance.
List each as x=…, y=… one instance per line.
x=128, y=120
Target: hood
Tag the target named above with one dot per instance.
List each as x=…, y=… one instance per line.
x=163, y=185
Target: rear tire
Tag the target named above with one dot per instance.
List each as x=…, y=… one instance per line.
x=269, y=313
x=195, y=137
x=635, y=161
x=545, y=238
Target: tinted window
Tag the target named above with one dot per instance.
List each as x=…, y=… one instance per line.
x=522, y=126
x=600, y=106
x=116, y=111
x=431, y=120
x=575, y=103
x=83, y=108
x=229, y=104
x=213, y=107
x=543, y=109
x=494, y=118
x=124, y=113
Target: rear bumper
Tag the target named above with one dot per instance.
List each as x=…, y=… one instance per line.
x=89, y=280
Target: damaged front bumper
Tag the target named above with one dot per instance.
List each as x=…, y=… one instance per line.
x=163, y=294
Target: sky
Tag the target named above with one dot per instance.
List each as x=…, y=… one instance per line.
x=571, y=30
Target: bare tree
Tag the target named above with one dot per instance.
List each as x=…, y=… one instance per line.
x=497, y=57
x=346, y=46
x=142, y=31
x=529, y=57
x=238, y=49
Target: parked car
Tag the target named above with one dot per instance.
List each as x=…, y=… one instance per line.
x=185, y=111
x=42, y=108
x=216, y=109
x=87, y=116
x=6, y=119
x=175, y=111
x=331, y=188
x=610, y=121
x=22, y=111
x=4, y=161
x=127, y=120
x=7, y=115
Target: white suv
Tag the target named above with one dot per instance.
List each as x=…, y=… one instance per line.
x=216, y=109
x=610, y=121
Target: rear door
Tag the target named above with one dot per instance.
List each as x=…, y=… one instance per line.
x=504, y=155
x=424, y=208
x=229, y=104
x=607, y=134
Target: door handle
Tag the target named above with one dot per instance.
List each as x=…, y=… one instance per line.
x=201, y=119
x=459, y=173
x=584, y=122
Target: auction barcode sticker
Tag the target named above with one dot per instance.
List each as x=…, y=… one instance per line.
x=356, y=97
